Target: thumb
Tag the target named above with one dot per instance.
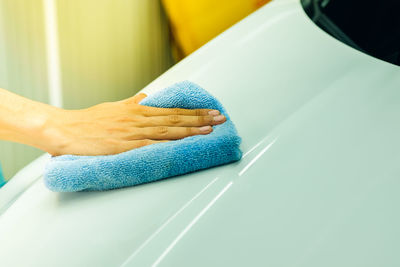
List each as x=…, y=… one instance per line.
x=137, y=98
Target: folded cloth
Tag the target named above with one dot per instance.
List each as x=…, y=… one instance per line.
x=70, y=173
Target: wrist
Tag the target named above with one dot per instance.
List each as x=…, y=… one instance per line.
x=46, y=130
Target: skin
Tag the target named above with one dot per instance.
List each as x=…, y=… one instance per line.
x=107, y=128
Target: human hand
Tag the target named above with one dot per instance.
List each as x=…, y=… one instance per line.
x=115, y=127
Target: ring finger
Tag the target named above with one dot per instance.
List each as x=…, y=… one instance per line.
x=169, y=133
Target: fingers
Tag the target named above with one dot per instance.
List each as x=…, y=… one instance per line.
x=181, y=121
x=152, y=111
x=169, y=133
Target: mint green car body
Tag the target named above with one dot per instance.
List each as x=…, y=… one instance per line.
x=319, y=183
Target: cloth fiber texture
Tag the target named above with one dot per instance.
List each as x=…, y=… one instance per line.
x=150, y=163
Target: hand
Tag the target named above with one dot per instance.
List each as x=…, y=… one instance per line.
x=115, y=127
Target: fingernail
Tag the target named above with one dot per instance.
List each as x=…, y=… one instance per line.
x=219, y=118
x=213, y=112
x=205, y=129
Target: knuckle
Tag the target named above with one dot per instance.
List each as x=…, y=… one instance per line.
x=201, y=119
x=119, y=130
x=174, y=118
x=124, y=119
x=162, y=130
x=189, y=131
x=197, y=112
x=131, y=136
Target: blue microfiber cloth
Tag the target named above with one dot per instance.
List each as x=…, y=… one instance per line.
x=70, y=173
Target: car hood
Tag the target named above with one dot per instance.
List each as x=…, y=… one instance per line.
x=317, y=186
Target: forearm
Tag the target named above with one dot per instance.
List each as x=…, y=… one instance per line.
x=23, y=120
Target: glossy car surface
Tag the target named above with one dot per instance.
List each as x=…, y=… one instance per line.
x=318, y=184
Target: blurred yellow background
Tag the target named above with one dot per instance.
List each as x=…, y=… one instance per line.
x=195, y=22
x=110, y=49
x=22, y=67
x=92, y=51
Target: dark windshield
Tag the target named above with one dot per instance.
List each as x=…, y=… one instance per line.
x=372, y=26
